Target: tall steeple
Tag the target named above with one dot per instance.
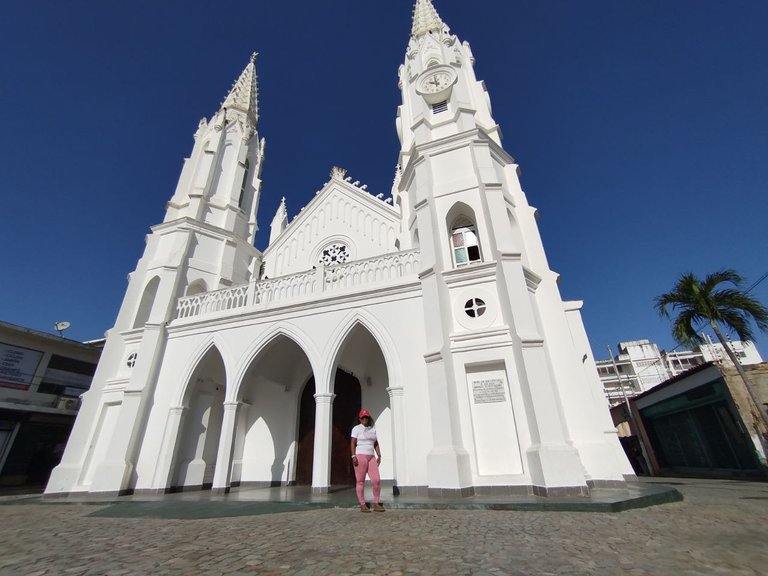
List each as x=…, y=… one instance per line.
x=426, y=19
x=463, y=207
x=242, y=101
x=220, y=182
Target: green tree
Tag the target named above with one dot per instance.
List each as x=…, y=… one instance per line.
x=697, y=302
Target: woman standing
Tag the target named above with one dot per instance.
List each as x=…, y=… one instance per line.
x=364, y=446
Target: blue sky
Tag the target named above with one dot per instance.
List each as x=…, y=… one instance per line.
x=641, y=128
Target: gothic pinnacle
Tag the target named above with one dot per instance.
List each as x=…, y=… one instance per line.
x=243, y=97
x=425, y=19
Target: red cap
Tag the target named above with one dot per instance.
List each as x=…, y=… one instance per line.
x=364, y=413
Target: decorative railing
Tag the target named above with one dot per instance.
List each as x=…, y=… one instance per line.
x=372, y=271
x=312, y=284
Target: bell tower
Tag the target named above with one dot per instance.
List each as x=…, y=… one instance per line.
x=509, y=395
x=204, y=243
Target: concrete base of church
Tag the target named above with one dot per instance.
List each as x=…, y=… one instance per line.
x=246, y=501
x=500, y=490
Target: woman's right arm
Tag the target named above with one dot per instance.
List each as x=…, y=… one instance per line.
x=353, y=449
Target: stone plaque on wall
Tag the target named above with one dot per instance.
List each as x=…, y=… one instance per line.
x=488, y=390
x=494, y=431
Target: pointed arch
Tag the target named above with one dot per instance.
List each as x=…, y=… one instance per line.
x=282, y=329
x=380, y=335
x=147, y=302
x=213, y=341
x=463, y=237
x=196, y=287
x=202, y=397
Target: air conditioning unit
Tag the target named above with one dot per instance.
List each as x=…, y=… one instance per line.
x=65, y=403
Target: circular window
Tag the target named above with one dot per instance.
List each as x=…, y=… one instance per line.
x=474, y=307
x=334, y=254
x=132, y=360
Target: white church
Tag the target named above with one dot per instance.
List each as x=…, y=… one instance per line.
x=434, y=308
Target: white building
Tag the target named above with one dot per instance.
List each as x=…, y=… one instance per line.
x=640, y=365
x=435, y=309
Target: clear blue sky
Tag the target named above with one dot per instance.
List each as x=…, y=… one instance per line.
x=641, y=127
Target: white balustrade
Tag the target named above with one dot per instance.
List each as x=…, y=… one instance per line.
x=302, y=286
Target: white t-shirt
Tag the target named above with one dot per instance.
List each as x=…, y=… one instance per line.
x=366, y=438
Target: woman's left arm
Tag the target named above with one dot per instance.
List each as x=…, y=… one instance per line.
x=378, y=452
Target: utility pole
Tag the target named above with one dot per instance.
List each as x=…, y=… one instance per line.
x=632, y=423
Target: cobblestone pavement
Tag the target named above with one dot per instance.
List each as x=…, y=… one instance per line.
x=720, y=528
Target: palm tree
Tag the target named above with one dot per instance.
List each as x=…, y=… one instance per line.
x=698, y=302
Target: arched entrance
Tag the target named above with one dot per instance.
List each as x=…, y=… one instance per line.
x=346, y=405
x=359, y=353
x=198, y=440
x=265, y=435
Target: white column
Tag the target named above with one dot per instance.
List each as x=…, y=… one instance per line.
x=398, y=432
x=321, y=461
x=223, y=472
x=164, y=470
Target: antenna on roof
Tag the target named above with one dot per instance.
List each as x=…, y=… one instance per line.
x=60, y=327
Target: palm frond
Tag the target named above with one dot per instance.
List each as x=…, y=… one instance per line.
x=684, y=327
x=711, y=281
x=695, y=302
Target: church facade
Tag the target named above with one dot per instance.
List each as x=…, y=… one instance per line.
x=434, y=308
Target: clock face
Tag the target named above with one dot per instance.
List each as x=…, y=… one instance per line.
x=436, y=82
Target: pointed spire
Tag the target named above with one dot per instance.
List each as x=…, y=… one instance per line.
x=279, y=222
x=425, y=19
x=243, y=95
x=282, y=212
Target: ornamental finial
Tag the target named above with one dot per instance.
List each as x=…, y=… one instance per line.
x=338, y=172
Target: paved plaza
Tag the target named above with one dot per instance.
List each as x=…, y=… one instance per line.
x=721, y=527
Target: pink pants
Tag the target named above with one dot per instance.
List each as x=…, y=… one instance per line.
x=367, y=463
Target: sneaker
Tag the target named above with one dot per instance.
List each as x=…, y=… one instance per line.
x=377, y=507
x=364, y=508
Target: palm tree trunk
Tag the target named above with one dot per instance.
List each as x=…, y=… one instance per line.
x=740, y=369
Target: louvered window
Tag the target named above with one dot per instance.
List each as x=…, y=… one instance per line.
x=440, y=107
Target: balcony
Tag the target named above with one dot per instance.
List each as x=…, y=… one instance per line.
x=302, y=287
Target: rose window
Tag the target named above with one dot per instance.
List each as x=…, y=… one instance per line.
x=334, y=254
x=474, y=307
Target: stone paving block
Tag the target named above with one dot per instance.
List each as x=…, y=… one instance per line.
x=720, y=528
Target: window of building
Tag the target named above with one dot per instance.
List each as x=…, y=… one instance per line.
x=465, y=245
x=474, y=307
x=440, y=107
x=244, y=183
x=334, y=254
x=67, y=376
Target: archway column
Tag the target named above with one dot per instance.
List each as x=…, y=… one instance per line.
x=398, y=432
x=223, y=472
x=165, y=464
x=321, y=461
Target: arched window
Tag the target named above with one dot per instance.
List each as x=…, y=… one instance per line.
x=196, y=287
x=464, y=242
x=244, y=183
x=147, y=301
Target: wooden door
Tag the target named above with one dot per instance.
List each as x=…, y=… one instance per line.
x=346, y=405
